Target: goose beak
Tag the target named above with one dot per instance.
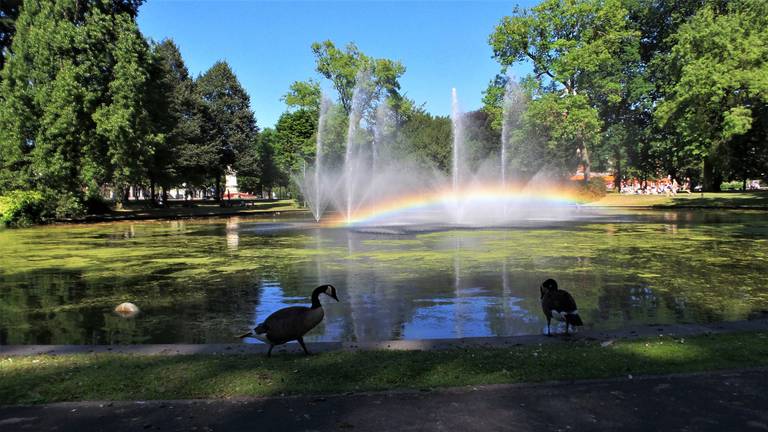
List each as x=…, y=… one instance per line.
x=245, y=335
x=333, y=296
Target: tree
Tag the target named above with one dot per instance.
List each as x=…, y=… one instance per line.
x=269, y=176
x=580, y=50
x=304, y=95
x=63, y=58
x=232, y=130
x=717, y=101
x=177, y=116
x=351, y=68
x=294, y=142
x=426, y=139
x=123, y=121
x=577, y=127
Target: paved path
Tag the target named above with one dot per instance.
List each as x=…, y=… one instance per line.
x=723, y=401
x=678, y=330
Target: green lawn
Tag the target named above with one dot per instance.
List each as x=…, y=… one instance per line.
x=747, y=200
x=40, y=379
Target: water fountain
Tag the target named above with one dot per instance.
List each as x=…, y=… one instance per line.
x=374, y=186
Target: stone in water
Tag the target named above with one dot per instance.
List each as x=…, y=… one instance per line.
x=127, y=310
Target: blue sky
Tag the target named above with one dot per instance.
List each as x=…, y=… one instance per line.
x=267, y=43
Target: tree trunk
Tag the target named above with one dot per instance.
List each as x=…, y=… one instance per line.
x=587, y=168
x=165, y=195
x=122, y=196
x=711, y=178
x=617, y=174
x=218, y=188
x=152, y=192
x=744, y=184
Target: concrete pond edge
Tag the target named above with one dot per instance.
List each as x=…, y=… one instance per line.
x=674, y=330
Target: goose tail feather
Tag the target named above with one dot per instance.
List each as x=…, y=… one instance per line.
x=574, y=319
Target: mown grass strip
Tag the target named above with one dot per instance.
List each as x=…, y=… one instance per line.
x=40, y=379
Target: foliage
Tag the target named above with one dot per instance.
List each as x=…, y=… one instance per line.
x=62, y=119
x=593, y=190
x=270, y=174
x=426, y=139
x=567, y=126
x=21, y=208
x=123, y=121
x=350, y=67
x=304, y=95
x=718, y=100
x=579, y=50
x=294, y=140
x=231, y=130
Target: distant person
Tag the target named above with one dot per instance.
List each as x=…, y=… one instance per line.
x=687, y=185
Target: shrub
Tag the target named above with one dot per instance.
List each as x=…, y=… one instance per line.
x=68, y=206
x=592, y=190
x=21, y=208
x=97, y=205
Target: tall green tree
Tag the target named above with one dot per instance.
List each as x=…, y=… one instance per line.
x=177, y=113
x=426, y=139
x=294, y=140
x=63, y=58
x=718, y=101
x=270, y=175
x=580, y=51
x=123, y=122
x=232, y=129
x=349, y=67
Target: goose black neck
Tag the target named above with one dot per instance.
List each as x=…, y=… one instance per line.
x=316, y=297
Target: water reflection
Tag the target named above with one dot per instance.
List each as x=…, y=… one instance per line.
x=207, y=281
x=233, y=233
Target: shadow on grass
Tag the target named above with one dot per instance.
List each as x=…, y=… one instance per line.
x=726, y=200
x=41, y=379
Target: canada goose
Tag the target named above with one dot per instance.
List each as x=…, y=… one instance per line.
x=559, y=304
x=292, y=323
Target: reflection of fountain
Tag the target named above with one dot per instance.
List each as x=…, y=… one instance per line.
x=233, y=233
x=374, y=185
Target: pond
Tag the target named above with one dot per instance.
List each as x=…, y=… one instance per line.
x=206, y=281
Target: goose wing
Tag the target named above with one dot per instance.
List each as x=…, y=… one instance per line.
x=564, y=301
x=287, y=324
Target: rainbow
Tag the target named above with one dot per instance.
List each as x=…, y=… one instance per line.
x=441, y=199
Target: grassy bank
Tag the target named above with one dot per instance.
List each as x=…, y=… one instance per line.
x=725, y=200
x=39, y=379
x=180, y=209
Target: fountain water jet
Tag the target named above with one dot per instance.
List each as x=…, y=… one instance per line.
x=318, y=206
x=376, y=187
x=458, y=139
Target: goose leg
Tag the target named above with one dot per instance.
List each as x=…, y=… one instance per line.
x=566, y=327
x=301, y=342
x=269, y=353
x=549, y=320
